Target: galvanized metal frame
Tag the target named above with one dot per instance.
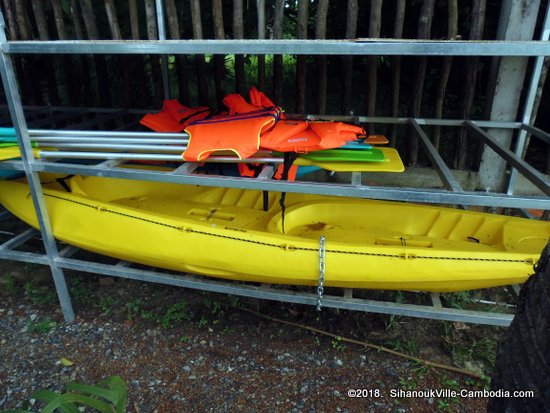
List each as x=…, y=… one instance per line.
x=452, y=194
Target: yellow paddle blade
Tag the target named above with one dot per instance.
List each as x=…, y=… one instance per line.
x=12, y=152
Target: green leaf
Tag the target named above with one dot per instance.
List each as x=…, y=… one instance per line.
x=94, y=391
x=48, y=396
x=70, y=398
x=118, y=385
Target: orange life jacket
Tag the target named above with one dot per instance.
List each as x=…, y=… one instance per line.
x=290, y=136
x=239, y=134
x=173, y=117
x=334, y=134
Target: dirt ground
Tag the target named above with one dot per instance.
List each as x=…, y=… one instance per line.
x=188, y=351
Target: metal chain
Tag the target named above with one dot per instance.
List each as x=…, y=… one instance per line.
x=320, y=288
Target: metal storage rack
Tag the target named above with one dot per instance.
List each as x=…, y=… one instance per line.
x=58, y=258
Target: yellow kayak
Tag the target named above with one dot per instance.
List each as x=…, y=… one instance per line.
x=225, y=232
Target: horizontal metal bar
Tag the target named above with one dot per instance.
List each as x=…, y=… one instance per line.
x=115, y=146
x=106, y=134
x=527, y=170
x=539, y=133
x=19, y=239
x=152, y=157
x=23, y=256
x=113, y=140
x=420, y=195
x=298, y=47
x=278, y=294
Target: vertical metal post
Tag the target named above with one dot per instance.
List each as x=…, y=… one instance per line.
x=530, y=101
x=164, y=59
x=18, y=118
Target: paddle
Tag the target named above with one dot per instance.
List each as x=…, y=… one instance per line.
x=393, y=164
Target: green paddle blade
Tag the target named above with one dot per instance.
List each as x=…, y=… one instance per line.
x=4, y=144
x=346, y=155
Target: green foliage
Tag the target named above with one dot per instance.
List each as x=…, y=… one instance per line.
x=41, y=296
x=11, y=284
x=79, y=291
x=42, y=327
x=337, y=344
x=108, y=396
x=176, y=313
x=133, y=308
x=106, y=304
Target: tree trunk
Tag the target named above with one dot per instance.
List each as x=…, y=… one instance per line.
x=66, y=61
x=202, y=84
x=468, y=91
x=321, y=33
x=445, y=70
x=134, y=21
x=396, y=68
x=219, y=60
x=301, y=33
x=372, y=61
x=181, y=60
x=86, y=62
x=137, y=62
x=278, y=74
x=347, y=61
x=27, y=63
x=260, y=6
x=103, y=86
x=152, y=34
x=51, y=94
x=110, y=9
x=10, y=20
x=238, y=33
x=424, y=28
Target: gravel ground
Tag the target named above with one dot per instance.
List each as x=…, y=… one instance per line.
x=185, y=351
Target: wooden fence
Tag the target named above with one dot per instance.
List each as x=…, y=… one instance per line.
x=432, y=87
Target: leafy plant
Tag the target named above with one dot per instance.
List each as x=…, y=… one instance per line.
x=108, y=396
x=337, y=344
x=41, y=296
x=42, y=327
x=176, y=313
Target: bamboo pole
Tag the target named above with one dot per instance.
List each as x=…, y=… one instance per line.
x=86, y=62
x=424, y=29
x=12, y=27
x=452, y=32
x=347, y=61
x=238, y=33
x=219, y=60
x=321, y=33
x=112, y=18
x=372, y=61
x=181, y=60
x=152, y=34
x=139, y=89
x=470, y=79
x=11, y=24
x=100, y=64
x=134, y=21
x=396, y=67
x=202, y=83
x=301, y=33
x=278, y=74
x=47, y=63
x=260, y=7
x=27, y=63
